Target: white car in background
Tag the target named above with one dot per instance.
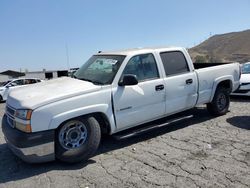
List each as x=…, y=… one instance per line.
x=244, y=88
x=5, y=87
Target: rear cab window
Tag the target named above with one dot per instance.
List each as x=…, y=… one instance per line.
x=174, y=63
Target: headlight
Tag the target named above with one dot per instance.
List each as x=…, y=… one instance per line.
x=22, y=120
x=23, y=114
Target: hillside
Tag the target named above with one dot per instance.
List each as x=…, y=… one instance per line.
x=229, y=47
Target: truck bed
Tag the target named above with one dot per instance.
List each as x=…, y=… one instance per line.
x=205, y=65
x=208, y=76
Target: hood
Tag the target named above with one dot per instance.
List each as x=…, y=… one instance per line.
x=245, y=78
x=36, y=95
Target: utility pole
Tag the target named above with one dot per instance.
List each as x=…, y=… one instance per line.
x=67, y=55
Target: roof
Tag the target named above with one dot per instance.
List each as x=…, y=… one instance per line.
x=134, y=51
x=12, y=73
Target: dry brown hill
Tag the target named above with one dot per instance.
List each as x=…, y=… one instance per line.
x=229, y=47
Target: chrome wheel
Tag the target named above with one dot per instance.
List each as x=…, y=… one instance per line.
x=73, y=134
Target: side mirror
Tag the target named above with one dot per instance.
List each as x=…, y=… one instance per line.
x=128, y=80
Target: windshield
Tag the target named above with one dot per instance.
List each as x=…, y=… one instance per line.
x=100, y=69
x=4, y=83
x=246, y=68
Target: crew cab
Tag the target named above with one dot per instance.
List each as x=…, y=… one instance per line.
x=64, y=118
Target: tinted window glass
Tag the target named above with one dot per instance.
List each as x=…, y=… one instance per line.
x=246, y=68
x=17, y=83
x=174, y=63
x=143, y=66
x=32, y=81
x=29, y=81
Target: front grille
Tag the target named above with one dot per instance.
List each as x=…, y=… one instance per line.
x=11, y=122
x=10, y=112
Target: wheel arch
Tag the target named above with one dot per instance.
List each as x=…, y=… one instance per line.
x=225, y=82
x=102, y=119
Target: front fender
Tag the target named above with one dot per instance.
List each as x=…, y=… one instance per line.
x=58, y=119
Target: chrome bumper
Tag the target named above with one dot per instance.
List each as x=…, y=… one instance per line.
x=36, y=154
x=31, y=147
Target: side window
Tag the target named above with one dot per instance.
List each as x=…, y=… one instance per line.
x=32, y=81
x=26, y=81
x=17, y=83
x=143, y=66
x=174, y=63
x=29, y=81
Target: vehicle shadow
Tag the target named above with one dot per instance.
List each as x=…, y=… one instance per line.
x=12, y=168
x=242, y=122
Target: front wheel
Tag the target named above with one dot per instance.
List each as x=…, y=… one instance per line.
x=77, y=139
x=220, y=103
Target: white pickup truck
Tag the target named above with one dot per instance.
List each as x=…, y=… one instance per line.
x=64, y=118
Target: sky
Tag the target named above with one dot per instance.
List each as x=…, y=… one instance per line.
x=57, y=34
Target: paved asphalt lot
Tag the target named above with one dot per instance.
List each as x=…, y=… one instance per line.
x=202, y=151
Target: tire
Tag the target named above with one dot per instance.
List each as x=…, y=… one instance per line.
x=77, y=139
x=220, y=103
x=1, y=98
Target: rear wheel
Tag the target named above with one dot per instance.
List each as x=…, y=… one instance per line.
x=1, y=98
x=220, y=103
x=77, y=139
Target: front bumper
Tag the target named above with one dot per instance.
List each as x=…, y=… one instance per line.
x=31, y=147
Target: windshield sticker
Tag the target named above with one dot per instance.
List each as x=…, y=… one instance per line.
x=106, y=61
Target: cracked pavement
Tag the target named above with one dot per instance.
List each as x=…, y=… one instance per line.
x=202, y=151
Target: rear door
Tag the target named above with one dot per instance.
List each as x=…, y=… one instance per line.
x=180, y=82
x=140, y=103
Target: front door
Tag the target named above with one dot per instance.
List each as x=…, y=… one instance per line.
x=143, y=102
